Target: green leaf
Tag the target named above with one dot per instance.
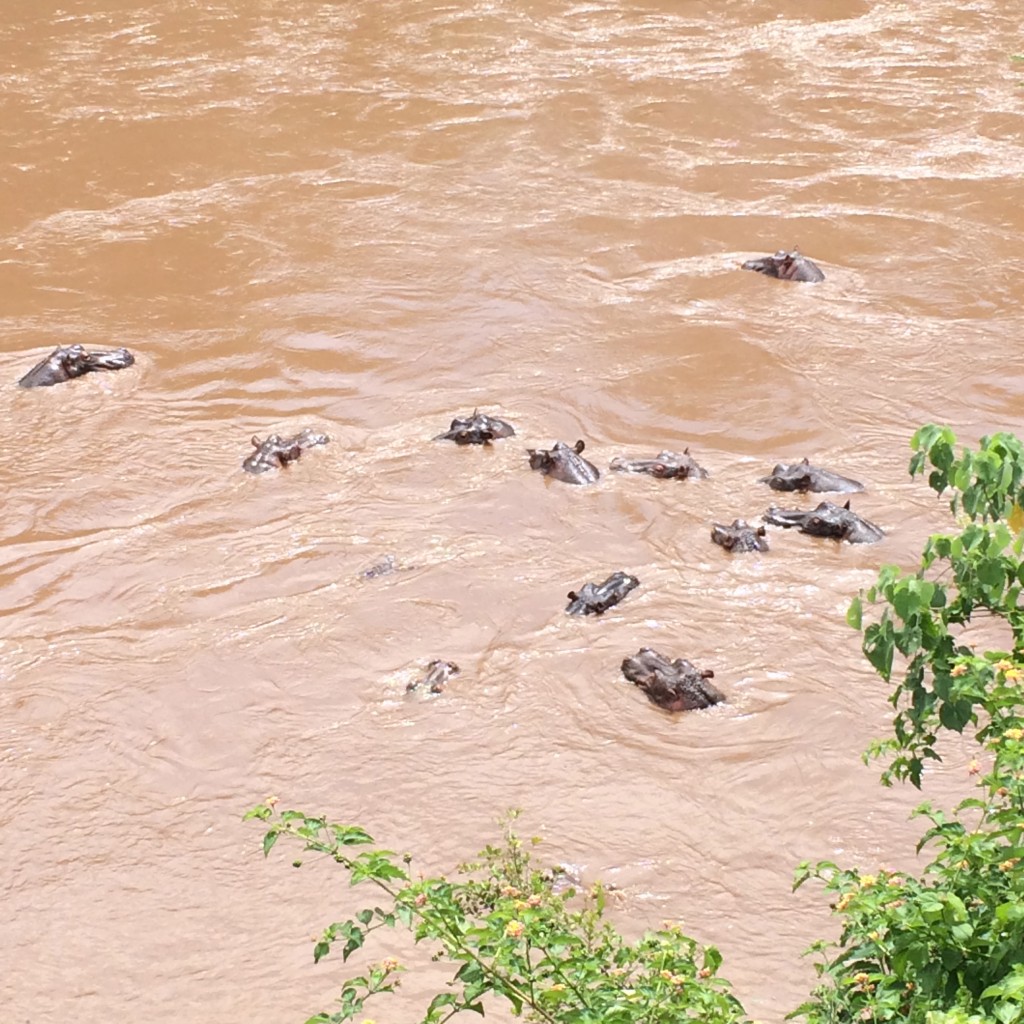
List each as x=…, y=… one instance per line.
x=854, y=614
x=1012, y=911
x=1007, y=1013
x=268, y=841
x=955, y=714
x=439, y=1002
x=712, y=959
x=879, y=647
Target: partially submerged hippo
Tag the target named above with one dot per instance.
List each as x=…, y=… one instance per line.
x=673, y=685
x=789, y=266
x=384, y=567
x=664, y=465
x=741, y=536
x=827, y=520
x=802, y=476
x=564, y=463
x=595, y=598
x=277, y=451
x=438, y=674
x=476, y=429
x=63, y=364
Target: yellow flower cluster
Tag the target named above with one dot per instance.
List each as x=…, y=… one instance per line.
x=514, y=929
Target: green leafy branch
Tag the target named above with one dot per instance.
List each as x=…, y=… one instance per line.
x=948, y=947
x=515, y=932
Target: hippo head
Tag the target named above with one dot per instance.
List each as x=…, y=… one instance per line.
x=788, y=266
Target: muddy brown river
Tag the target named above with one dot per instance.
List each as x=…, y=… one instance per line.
x=366, y=218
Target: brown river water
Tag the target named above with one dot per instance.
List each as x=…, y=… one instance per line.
x=368, y=217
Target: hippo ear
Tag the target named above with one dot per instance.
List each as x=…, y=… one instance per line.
x=806, y=462
x=572, y=595
x=256, y=442
x=847, y=505
x=578, y=447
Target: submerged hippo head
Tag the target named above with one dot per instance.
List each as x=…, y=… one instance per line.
x=384, y=567
x=63, y=364
x=741, y=536
x=673, y=685
x=665, y=465
x=827, y=520
x=595, y=598
x=564, y=463
x=476, y=429
x=277, y=451
x=802, y=476
x=436, y=679
x=789, y=266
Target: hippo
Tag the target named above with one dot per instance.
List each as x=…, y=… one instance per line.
x=277, y=451
x=595, y=598
x=63, y=364
x=438, y=674
x=673, y=685
x=664, y=465
x=802, y=476
x=827, y=520
x=384, y=567
x=789, y=266
x=564, y=463
x=741, y=536
x=476, y=429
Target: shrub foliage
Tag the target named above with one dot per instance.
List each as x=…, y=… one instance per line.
x=514, y=932
x=948, y=947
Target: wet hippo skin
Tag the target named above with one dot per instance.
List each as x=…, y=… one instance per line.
x=827, y=520
x=787, y=266
x=673, y=685
x=802, y=476
x=564, y=463
x=595, y=598
x=665, y=465
x=64, y=364
x=476, y=429
x=436, y=679
x=740, y=536
x=276, y=451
